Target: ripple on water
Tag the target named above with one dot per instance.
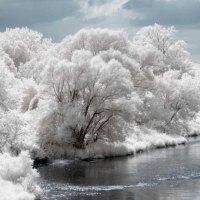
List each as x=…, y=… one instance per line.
x=57, y=190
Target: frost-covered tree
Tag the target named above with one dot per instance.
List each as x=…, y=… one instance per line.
x=162, y=47
x=165, y=72
x=158, y=36
x=21, y=45
x=170, y=103
x=95, y=41
x=94, y=100
x=14, y=127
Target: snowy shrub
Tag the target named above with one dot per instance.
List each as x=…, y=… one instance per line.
x=16, y=132
x=17, y=178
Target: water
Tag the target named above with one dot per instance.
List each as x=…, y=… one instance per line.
x=167, y=174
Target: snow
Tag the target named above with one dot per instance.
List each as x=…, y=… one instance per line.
x=17, y=178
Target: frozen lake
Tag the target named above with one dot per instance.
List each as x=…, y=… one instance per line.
x=172, y=173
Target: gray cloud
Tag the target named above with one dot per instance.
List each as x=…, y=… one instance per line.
x=139, y=4
x=28, y=12
x=174, y=12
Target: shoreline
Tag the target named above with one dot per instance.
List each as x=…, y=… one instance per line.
x=45, y=161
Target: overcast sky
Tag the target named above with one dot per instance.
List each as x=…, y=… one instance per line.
x=58, y=18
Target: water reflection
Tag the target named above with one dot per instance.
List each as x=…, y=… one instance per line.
x=157, y=175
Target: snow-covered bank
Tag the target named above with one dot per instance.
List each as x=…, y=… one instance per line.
x=18, y=178
x=103, y=149
x=130, y=146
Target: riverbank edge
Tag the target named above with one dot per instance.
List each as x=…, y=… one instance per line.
x=88, y=157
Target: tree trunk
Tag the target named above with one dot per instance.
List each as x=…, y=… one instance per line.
x=79, y=143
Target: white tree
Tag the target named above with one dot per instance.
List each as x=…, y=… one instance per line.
x=170, y=52
x=22, y=44
x=94, y=99
x=166, y=71
x=158, y=36
x=93, y=40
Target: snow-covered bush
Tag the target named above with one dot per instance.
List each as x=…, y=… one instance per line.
x=17, y=132
x=17, y=178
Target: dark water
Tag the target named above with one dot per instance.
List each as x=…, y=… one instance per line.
x=167, y=174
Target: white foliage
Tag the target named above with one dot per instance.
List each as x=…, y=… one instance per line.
x=17, y=178
x=92, y=87
x=90, y=100
x=94, y=40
